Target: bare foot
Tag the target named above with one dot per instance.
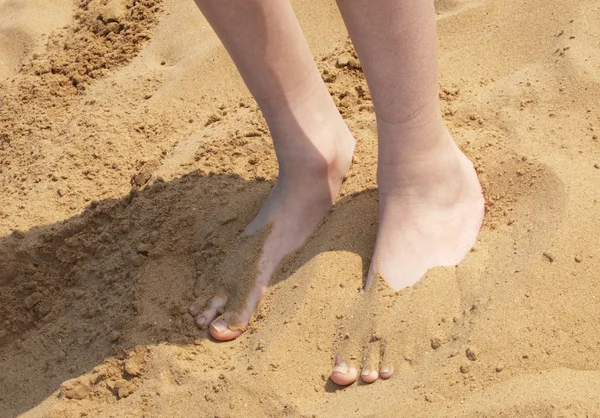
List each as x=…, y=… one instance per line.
x=430, y=212
x=312, y=168
x=427, y=218
x=365, y=340
x=375, y=365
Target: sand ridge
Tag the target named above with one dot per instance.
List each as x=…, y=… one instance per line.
x=125, y=184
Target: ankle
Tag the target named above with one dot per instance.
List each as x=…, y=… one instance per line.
x=415, y=168
x=326, y=157
x=311, y=140
x=410, y=142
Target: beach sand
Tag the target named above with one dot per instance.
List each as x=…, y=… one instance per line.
x=132, y=156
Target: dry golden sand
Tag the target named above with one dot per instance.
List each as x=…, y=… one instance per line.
x=95, y=277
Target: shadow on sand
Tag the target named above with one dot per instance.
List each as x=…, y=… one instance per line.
x=122, y=273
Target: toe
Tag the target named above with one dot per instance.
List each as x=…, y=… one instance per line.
x=371, y=355
x=210, y=313
x=369, y=376
x=196, y=307
x=386, y=372
x=221, y=331
x=232, y=324
x=343, y=374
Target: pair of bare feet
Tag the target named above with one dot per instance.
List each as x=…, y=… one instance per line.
x=430, y=212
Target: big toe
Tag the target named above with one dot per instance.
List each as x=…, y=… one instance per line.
x=221, y=331
x=343, y=374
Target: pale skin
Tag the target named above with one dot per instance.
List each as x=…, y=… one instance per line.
x=430, y=200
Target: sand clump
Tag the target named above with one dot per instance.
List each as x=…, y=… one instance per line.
x=104, y=35
x=128, y=175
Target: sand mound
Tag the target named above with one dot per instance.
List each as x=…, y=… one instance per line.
x=24, y=27
x=131, y=157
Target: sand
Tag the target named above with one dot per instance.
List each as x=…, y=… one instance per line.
x=131, y=157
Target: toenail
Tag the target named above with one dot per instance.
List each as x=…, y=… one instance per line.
x=219, y=326
x=201, y=320
x=341, y=368
x=384, y=371
x=366, y=372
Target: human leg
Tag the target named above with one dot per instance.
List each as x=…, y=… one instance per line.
x=312, y=143
x=430, y=200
